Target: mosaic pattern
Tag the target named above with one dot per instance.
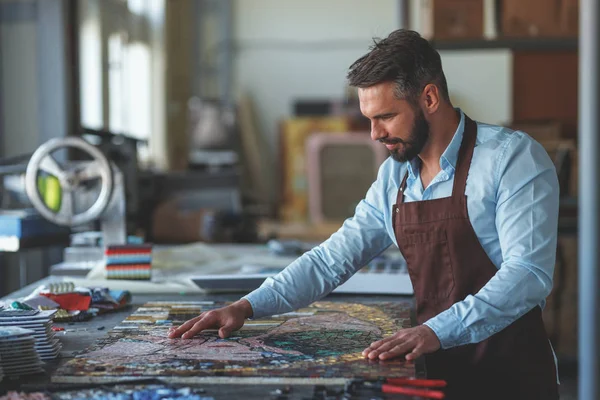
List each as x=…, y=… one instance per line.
x=118, y=392
x=133, y=392
x=319, y=343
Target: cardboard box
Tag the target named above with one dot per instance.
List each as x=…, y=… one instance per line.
x=539, y=18
x=303, y=231
x=173, y=224
x=452, y=19
x=565, y=299
x=569, y=17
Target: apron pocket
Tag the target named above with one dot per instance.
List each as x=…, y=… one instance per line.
x=428, y=258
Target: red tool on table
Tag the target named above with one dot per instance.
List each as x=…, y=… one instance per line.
x=412, y=387
x=407, y=386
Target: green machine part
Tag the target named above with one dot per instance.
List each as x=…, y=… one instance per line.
x=49, y=188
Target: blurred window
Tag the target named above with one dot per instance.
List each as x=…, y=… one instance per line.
x=120, y=31
x=90, y=67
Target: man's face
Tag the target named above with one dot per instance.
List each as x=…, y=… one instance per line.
x=396, y=123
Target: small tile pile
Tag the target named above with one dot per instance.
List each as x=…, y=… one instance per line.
x=130, y=261
x=38, y=324
x=18, y=353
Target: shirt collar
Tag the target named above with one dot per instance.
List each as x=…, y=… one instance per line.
x=413, y=165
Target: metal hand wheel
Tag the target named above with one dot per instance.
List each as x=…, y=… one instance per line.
x=69, y=179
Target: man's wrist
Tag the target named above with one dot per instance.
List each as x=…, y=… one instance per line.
x=245, y=306
x=432, y=334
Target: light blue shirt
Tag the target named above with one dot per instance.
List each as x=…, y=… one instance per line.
x=512, y=198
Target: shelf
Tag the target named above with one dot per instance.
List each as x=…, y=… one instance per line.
x=528, y=44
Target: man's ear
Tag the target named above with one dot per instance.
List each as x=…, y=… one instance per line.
x=430, y=99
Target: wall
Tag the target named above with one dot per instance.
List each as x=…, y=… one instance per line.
x=19, y=125
x=18, y=66
x=292, y=49
x=480, y=82
x=34, y=100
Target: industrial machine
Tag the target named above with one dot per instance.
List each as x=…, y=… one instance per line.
x=78, y=205
x=92, y=196
x=93, y=193
x=88, y=191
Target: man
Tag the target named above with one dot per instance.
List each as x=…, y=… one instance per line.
x=472, y=207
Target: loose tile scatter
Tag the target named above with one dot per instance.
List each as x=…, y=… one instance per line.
x=25, y=396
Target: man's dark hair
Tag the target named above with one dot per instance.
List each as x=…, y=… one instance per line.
x=404, y=58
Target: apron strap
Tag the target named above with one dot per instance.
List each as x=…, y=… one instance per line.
x=400, y=197
x=465, y=154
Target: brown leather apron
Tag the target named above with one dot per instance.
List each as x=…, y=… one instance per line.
x=446, y=263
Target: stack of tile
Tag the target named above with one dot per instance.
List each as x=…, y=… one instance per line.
x=1, y=373
x=130, y=261
x=17, y=352
x=39, y=324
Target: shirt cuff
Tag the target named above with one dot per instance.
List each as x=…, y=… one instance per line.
x=449, y=329
x=262, y=301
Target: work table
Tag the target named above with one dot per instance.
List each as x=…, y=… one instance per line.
x=78, y=336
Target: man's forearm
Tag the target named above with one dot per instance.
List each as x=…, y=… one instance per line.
x=319, y=271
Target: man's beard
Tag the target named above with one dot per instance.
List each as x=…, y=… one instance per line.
x=419, y=134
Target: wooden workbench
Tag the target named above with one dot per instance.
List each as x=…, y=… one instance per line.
x=85, y=333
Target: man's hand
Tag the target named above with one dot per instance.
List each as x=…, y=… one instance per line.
x=226, y=320
x=412, y=341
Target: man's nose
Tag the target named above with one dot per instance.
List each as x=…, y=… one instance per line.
x=376, y=131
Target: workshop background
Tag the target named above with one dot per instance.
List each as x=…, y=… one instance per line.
x=230, y=119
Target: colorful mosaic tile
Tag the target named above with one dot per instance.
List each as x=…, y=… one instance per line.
x=319, y=343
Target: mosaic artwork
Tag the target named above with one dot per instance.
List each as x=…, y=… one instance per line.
x=118, y=392
x=317, y=343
